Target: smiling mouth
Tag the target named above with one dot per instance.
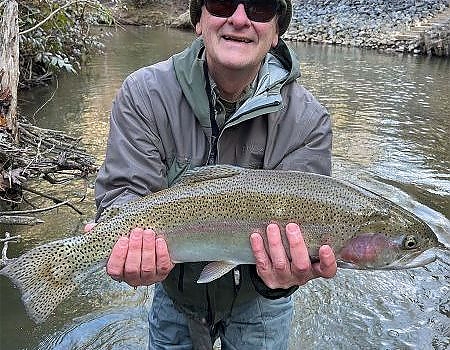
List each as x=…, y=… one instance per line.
x=240, y=40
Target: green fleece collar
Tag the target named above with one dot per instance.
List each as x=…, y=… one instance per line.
x=188, y=67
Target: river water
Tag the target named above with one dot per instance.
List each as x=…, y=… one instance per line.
x=391, y=134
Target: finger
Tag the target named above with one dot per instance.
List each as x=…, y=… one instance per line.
x=263, y=265
x=262, y=260
x=132, y=273
x=277, y=253
x=301, y=263
x=116, y=261
x=163, y=263
x=148, y=263
x=89, y=226
x=327, y=266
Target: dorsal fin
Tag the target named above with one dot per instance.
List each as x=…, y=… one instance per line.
x=109, y=213
x=210, y=172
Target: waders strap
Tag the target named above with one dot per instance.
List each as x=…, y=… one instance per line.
x=181, y=278
x=200, y=334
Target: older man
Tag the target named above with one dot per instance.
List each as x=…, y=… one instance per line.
x=231, y=97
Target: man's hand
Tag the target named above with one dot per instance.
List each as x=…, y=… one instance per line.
x=274, y=267
x=141, y=259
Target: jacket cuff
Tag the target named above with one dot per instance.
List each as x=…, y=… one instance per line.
x=267, y=292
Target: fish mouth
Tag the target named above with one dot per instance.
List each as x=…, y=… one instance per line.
x=415, y=259
x=412, y=260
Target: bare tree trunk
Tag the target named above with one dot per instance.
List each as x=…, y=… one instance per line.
x=9, y=66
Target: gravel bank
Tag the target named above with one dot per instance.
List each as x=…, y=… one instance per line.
x=414, y=26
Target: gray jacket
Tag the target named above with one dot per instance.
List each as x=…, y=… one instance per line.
x=161, y=126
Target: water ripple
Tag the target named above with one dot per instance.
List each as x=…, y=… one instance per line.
x=391, y=122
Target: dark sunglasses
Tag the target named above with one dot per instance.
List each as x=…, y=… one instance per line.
x=256, y=10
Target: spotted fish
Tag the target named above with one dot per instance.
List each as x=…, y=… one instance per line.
x=209, y=215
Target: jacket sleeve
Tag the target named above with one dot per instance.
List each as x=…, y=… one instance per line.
x=267, y=292
x=313, y=153
x=133, y=164
x=305, y=128
x=300, y=135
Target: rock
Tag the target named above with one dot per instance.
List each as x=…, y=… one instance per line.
x=370, y=23
x=183, y=21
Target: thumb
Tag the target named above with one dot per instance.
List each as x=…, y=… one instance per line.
x=89, y=226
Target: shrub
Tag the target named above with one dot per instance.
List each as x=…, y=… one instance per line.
x=57, y=35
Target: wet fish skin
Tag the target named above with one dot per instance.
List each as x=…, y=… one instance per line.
x=209, y=216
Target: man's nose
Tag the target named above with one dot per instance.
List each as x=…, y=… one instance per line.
x=239, y=16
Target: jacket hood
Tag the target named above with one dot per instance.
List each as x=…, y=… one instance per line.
x=280, y=67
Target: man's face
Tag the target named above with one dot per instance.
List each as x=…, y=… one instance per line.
x=236, y=42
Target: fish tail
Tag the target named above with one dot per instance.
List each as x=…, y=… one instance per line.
x=46, y=275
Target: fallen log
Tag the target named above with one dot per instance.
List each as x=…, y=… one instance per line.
x=19, y=220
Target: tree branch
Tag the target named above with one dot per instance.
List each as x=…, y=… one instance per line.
x=20, y=212
x=54, y=199
x=19, y=220
x=55, y=12
x=4, y=259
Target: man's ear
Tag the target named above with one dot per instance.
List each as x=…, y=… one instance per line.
x=277, y=36
x=198, y=29
x=275, y=41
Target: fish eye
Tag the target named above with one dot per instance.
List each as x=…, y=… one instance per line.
x=410, y=242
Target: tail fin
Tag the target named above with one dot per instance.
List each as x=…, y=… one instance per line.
x=47, y=274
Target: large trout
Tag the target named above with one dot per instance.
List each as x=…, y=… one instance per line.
x=209, y=215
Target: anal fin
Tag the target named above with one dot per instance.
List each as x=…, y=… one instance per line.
x=215, y=270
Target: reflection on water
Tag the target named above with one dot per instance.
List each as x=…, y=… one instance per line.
x=391, y=117
x=391, y=124
x=375, y=310
x=120, y=321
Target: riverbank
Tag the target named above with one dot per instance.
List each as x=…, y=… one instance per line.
x=172, y=13
x=411, y=26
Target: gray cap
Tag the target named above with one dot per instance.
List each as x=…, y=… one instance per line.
x=195, y=10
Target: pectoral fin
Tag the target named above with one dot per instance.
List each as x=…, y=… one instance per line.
x=214, y=270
